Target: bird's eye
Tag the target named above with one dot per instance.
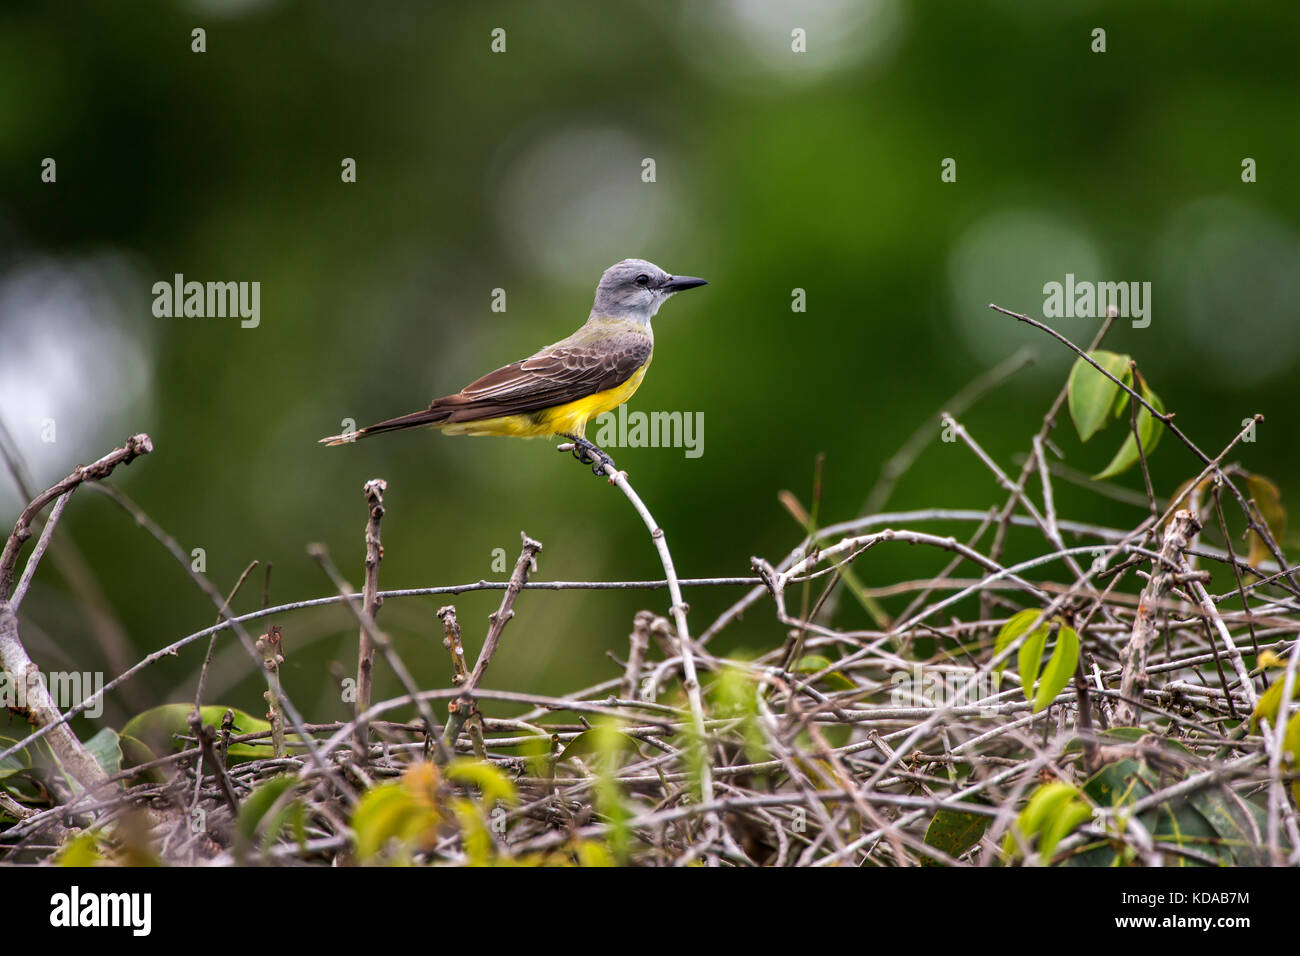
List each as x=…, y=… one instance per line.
x=643, y=279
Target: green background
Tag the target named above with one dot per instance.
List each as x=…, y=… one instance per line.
x=522, y=171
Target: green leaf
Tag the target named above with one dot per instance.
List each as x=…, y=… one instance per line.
x=493, y=784
x=815, y=663
x=1053, y=811
x=474, y=836
x=136, y=753
x=1046, y=801
x=106, y=750
x=591, y=853
x=954, y=832
x=1031, y=658
x=733, y=696
x=1060, y=668
x=256, y=806
x=1268, y=499
x=1270, y=702
x=1120, y=782
x=1149, y=428
x=81, y=851
x=1091, y=394
x=1240, y=841
x=1016, y=625
x=1213, y=821
x=1122, y=396
x=1179, y=823
x=157, y=729
x=386, y=812
x=536, y=751
x=295, y=814
x=1061, y=825
x=1291, y=748
x=14, y=763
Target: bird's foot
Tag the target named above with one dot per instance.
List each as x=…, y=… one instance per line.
x=589, y=454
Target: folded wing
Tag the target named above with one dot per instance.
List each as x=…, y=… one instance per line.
x=554, y=377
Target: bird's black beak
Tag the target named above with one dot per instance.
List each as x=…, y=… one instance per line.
x=678, y=283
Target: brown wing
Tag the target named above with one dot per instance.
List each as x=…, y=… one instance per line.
x=553, y=377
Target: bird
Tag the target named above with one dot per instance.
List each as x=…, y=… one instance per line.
x=557, y=390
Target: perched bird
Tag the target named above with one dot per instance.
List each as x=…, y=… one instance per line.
x=556, y=391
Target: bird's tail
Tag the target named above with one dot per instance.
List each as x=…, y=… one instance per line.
x=429, y=416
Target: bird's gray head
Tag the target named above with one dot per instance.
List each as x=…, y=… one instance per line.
x=634, y=289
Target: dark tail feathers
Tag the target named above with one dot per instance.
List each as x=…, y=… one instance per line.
x=429, y=416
